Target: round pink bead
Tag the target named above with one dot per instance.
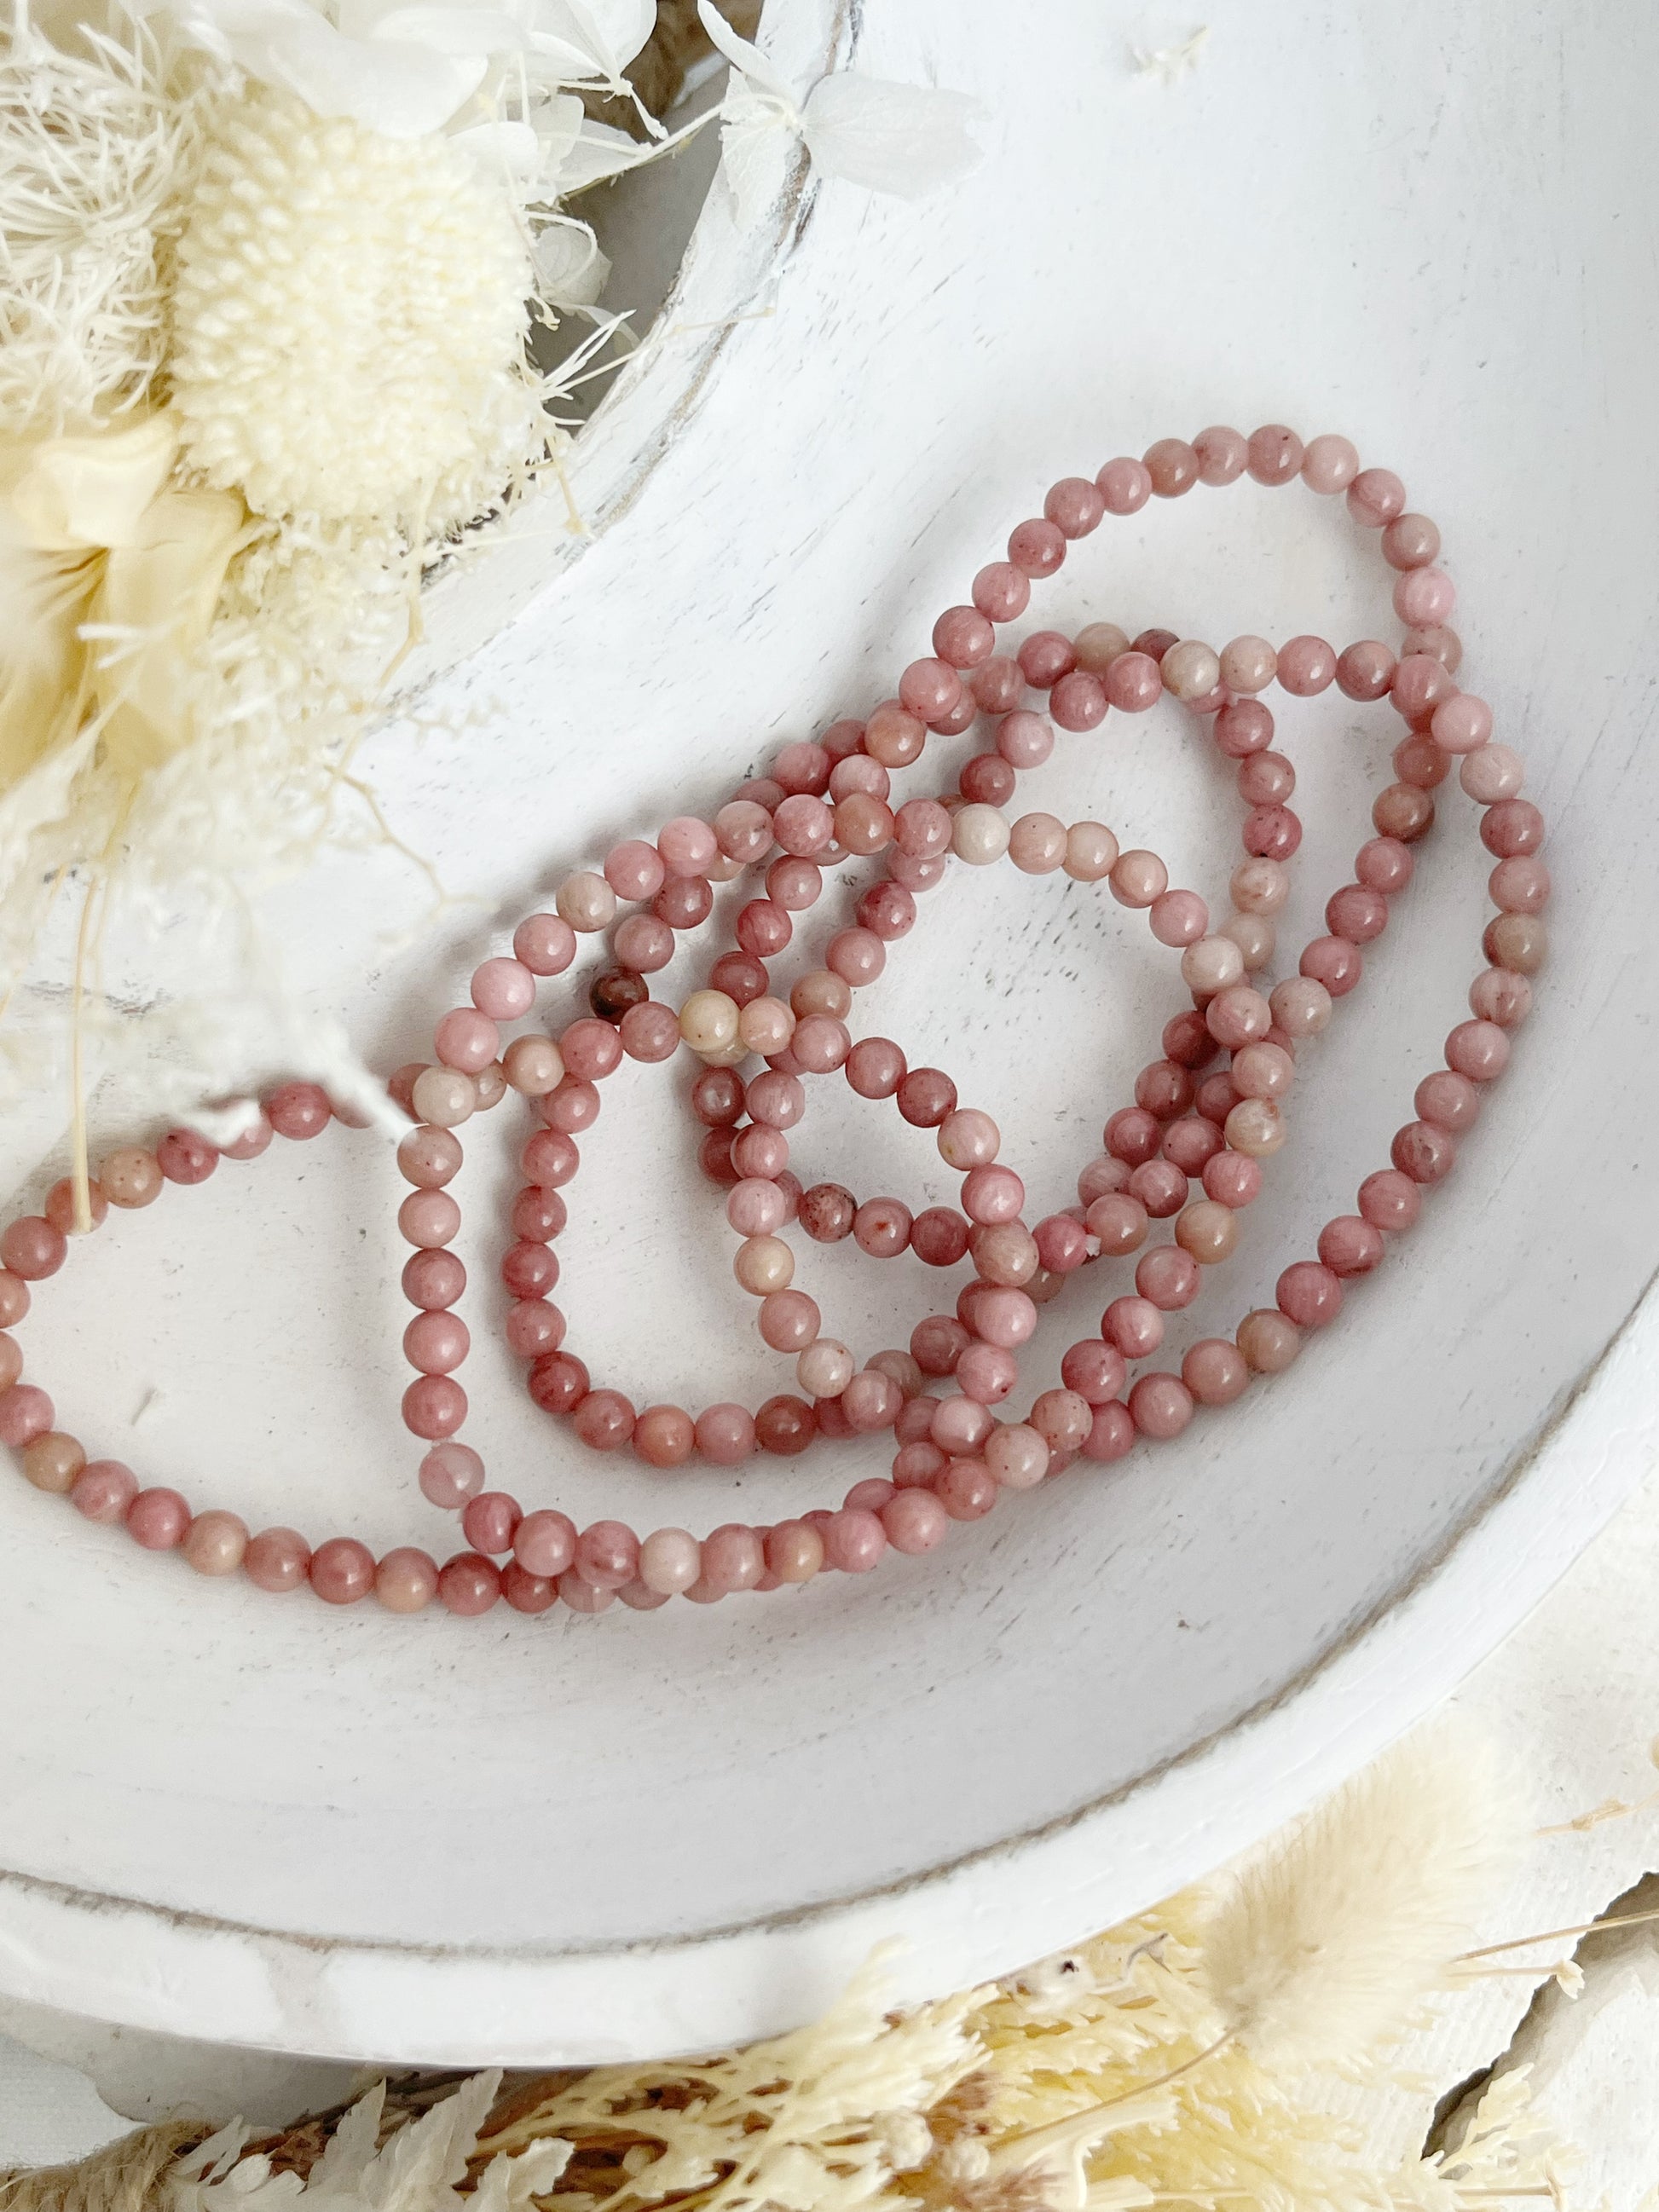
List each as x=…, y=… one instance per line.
x=1520, y=886
x=853, y=1541
x=1035, y=547
x=1168, y=1277
x=733, y=1558
x=434, y=1406
x=1215, y=1372
x=582, y=1596
x=157, y=1519
x=1329, y=465
x=1309, y=1294
x=1133, y=682
x=1498, y=996
x=33, y=1248
x=963, y=637
x=1275, y=454
x=277, y=1559
x=1462, y=724
x=1077, y=701
x=298, y=1110
x=927, y=689
x=1178, y=918
x=1424, y=597
x=433, y=1279
x=504, y=989
x=545, y=943
x=671, y=1560
x=688, y=846
x=544, y=1543
x=25, y=1413
x=1134, y=1325
x=1110, y=1436
x=429, y=1218
x=1126, y=485
x=1222, y=454
x=1074, y=505
x=104, y=1489
x=591, y=1049
x=1232, y=1179
x=1001, y=591
x=913, y=1520
x=1375, y=497
x=725, y=1435
x=991, y=1194
x=437, y=1343
x=185, y=1158
x=467, y=1584
x=650, y=1032
x=1160, y=1406
x=1366, y=670
x=1350, y=1245
x=406, y=1580
x=960, y=1424
x=1420, y=685
x=1492, y=774
x=466, y=1039
x=1307, y=666
x=607, y=1554
x=1479, y=1051
x=490, y=1522
x=987, y=1373
x=634, y=870
x=451, y=1474
x=1390, y=1200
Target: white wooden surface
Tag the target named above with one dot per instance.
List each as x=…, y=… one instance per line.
x=1432, y=229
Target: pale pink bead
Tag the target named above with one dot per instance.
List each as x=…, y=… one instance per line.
x=1497, y=995
x=1247, y=664
x=1389, y=1200
x=1384, y=864
x=987, y=1373
x=406, y=1580
x=466, y=1039
x=635, y=870
x=1307, y=666
x=650, y=1032
x=451, y=1472
x=688, y=847
x=103, y=1490
x=960, y=1425
x=1375, y=497
x=1479, y=1049
x=744, y=831
x=733, y=1558
x=1275, y=453
x=504, y=989
x=1520, y=886
x=1425, y=596
x=969, y=1139
x=1262, y=1071
x=436, y=1343
x=755, y=1208
x=1213, y=964
x=1462, y=724
x=544, y=1543
x=1300, y=1006
x=533, y=1327
x=825, y=1369
x=607, y=1554
x=963, y=637
x=725, y=1435
x=1137, y=878
x=1036, y=844
x=1329, y=465
x=25, y=1413
x=1260, y=886
x=991, y=1194
x=788, y=1319
x=1133, y=682
x=429, y=1218
x=1160, y=1406
x=1222, y=454
x=1492, y=775
x=277, y=1559
x=1410, y=541
x=585, y=900
x=871, y=1401
x=157, y=1519
x=1003, y=1314
x=1024, y=740
x=545, y=943
x=1017, y=1455
x=434, y=1406
x=1178, y=918
x=295, y=1110
x=853, y=1541
x=914, y=1521
x=1134, y=1325
x=428, y=1157
x=1238, y=1016
x=643, y=943
x=1447, y=1101
x=1091, y=852
x=1215, y=1372
x=1350, y=1245
x=1309, y=1294
x=1125, y=484
x=820, y=1042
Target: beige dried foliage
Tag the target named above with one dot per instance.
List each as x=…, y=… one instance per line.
x=1321, y=1945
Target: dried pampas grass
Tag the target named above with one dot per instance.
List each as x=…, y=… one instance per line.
x=1320, y=1946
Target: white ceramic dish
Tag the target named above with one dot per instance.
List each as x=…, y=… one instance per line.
x=255, y=1822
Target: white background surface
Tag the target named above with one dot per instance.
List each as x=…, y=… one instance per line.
x=1431, y=229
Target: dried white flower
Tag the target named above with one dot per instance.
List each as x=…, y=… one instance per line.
x=903, y=139
x=350, y=311
x=1323, y=1942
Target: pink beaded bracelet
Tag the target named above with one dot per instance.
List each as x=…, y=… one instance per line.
x=1191, y=1119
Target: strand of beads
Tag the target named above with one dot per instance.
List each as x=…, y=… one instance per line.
x=823, y=803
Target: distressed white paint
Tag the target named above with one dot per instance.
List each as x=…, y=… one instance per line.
x=534, y=1840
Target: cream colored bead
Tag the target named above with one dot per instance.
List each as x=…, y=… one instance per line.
x=1091, y=852
x=1255, y=938
x=825, y=1369
x=1036, y=844
x=1260, y=886
x=1098, y=645
x=1214, y=963
x=1207, y=1230
x=980, y=835
x=765, y=1264
x=766, y=1025
x=1256, y=1127
x=1190, y=670
x=585, y=900
x=708, y=1022
x=444, y=1096
x=1300, y=1005
x=532, y=1065
x=1248, y=663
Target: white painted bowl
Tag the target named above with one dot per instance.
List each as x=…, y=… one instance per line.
x=262, y=1822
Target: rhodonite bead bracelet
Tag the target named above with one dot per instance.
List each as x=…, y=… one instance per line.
x=1210, y=1110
